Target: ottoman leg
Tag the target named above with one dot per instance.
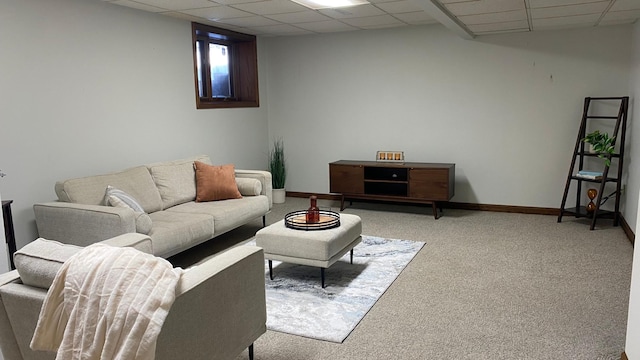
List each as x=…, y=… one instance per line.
x=270, y=270
x=322, y=276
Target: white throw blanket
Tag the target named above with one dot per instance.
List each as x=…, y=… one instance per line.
x=106, y=303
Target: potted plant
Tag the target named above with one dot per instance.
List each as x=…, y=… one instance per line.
x=601, y=144
x=278, y=169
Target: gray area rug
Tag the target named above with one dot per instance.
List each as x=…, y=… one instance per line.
x=297, y=304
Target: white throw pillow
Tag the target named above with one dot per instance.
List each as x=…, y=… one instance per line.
x=118, y=198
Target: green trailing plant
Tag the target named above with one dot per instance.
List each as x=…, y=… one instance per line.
x=602, y=144
x=277, y=165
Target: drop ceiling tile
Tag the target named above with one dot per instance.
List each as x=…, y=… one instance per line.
x=373, y=21
x=534, y=4
x=621, y=15
x=565, y=22
x=416, y=18
x=178, y=5
x=217, y=13
x=233, y=2
x=484, y=6
x=283, y=29
x=501, y=32
x=179, y=15
x=616, y=22
x=384, y=26
x=494, y=17
x=326, y=26
x=353, y=12
x=299, y=17
x=271, y=7
x=251, y=21
x=135, y=5
x=399, y=7
x=569, y=10
x=457, y=1
x=505, y=26
x=620, y=5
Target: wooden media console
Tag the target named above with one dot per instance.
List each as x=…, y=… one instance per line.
x=426, y=183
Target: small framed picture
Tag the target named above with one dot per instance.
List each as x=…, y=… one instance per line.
x=390, y=156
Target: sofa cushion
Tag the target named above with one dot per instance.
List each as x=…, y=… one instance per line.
x=248, y=186
x=90, y=190
x=215, y=182
x=227, y=214
x=175, y=232
x=176, y=180
x=118, y=198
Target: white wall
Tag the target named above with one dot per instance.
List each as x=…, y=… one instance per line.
x=505, y=109
x=90, y=87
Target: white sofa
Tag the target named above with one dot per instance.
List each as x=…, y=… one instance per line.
x=218, y=312
x=166, y=191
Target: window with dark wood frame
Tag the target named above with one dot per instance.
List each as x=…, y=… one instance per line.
x=224, y=86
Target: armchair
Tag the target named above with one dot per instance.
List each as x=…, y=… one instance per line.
x=219, y=308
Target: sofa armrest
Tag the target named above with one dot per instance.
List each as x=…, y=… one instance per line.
x=137, y=241
x=80, y=224
x=222, y=297
x=8, y=341
x=265, y=179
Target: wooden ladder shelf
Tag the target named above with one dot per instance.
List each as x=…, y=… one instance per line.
x=579, y=155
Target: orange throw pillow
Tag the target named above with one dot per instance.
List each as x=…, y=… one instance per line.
x=215, y=182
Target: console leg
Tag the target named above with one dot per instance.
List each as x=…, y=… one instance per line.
x=251, y=351
x=270, y=270
x=342, y=203
x=435, y=210
x=322, y=276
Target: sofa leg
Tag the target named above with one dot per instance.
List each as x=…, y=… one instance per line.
x=251, y=351
x=270, y=270
x=264, y=220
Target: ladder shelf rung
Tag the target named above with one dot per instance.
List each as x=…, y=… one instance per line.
x=609, y=98
x=588, y=154
x=602, y=117
x=582, y=212
x=609, y=179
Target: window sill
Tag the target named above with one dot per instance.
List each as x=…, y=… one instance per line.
x=226, y=104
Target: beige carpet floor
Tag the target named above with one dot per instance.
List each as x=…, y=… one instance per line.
x=486, y=285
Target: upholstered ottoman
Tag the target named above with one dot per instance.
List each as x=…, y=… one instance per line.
x=319, y=248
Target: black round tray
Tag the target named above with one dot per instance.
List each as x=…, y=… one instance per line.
x=298, y=220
